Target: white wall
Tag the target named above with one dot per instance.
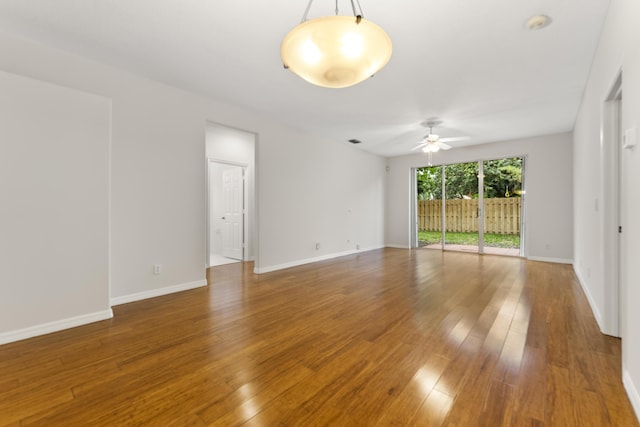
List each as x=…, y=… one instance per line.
x=311, y=194
x=306, y=185
x=619, y=49
x=548, y=183
x=236, y=146
x=54, y=186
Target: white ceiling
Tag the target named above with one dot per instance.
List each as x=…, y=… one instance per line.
x=470, y=63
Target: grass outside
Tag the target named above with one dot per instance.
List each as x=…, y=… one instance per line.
x=490, y=240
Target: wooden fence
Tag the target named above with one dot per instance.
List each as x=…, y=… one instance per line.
x=501, y=216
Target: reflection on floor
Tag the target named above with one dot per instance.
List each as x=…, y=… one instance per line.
x=470, y=248
x=215, y=259
x=388, y=337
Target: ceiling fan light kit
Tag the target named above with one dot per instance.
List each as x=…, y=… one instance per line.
x=336, y=51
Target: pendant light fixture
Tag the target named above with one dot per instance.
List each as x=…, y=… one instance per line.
x=336, y=51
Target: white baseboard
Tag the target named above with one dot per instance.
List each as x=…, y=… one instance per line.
x=632, y=391
x=311, y=260
x=553, y=260
x=55, y=326
x=397, y=246
x=592, y=302
x=157, y=292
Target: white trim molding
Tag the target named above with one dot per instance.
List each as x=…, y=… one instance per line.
x=55, y=326
x=260, y=270
x=398, y=246
x=592, y=303
x=158, y=292
x=632, y=391
x=553, y=260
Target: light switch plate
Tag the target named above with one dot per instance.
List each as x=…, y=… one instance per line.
x=630, y=139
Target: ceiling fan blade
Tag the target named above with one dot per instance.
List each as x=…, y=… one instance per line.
x=454, y=138
x=443, y=146
x=417, y=147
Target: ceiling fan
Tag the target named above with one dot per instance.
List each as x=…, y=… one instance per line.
x=432, y=143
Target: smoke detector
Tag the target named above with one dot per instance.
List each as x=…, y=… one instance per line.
x=538, y=22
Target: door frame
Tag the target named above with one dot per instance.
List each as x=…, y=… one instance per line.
x=413, y=238
x=610, y=194
x=481, y=207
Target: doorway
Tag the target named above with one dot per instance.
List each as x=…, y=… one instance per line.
x=471, y=207
x=231, y=219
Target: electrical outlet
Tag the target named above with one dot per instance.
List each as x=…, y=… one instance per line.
x=157, y=269
x=358, y=247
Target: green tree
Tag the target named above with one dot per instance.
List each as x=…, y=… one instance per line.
x=461, y=180
x=429, y=182
x=502, y=178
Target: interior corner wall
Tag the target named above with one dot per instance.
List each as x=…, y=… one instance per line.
x=317, y=192
x=309, y=190
x=54, y=213
x=618, y=50
x=548, y=186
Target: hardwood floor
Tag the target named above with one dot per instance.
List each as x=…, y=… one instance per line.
x=387, y=337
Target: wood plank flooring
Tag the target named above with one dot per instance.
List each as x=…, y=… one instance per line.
x=384, y=338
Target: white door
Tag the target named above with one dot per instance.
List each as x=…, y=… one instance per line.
x=233, y=218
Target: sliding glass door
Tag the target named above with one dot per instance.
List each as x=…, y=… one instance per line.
x=461, y=207
x=472, y=207
x=502, y=205
x=429, y=207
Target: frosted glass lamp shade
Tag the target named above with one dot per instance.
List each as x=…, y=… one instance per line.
x=336, y=51
x=431, y=148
